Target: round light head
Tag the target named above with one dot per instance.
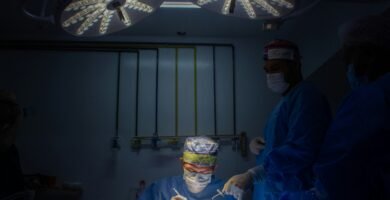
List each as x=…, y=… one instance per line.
x=252, y=9
x=101, y=17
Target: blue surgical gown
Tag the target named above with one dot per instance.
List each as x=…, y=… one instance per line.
x=293, y=134
x=163, y=190
x=354, y=162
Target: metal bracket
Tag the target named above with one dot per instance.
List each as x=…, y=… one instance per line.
x=42, y=15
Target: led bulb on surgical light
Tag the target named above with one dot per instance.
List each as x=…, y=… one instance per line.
x=100, y=17
x=203, y=2
x=226, y=7
x=267, y=7
x=253, y=9
x=248, y=8
x=284, y=3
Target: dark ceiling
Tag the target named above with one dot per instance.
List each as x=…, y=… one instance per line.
x=164, y=22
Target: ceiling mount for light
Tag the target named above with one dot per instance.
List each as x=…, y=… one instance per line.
x=178, y=4
x=100, y=17
x=253, y=9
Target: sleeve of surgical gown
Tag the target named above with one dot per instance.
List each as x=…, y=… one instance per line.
x=353, y=147
x=288, y=165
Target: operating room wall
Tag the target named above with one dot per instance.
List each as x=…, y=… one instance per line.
x=70, y=103
x=316, y=31
x=317, y=34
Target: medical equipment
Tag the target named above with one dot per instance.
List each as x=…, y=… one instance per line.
x=178, y=196
x=217, y=195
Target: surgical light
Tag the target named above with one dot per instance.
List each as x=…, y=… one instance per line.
x=253, y=9
x=101, y=17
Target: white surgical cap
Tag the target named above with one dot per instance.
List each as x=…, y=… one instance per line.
x=201, y=145
x=370, y=30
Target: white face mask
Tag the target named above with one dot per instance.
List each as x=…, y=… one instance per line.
x=276, y=83
x=196, y=182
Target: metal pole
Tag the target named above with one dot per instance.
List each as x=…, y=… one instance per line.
x=195, y=91
x=234, y=91
x=215, y=93
x=137, y=95
x=157, y=91
x=177, y=92
x=118, y=95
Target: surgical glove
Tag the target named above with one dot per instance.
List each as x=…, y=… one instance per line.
x=257, y=173
x=236, y=192
x=256, y=145
x=237, y=184
x=178, y=197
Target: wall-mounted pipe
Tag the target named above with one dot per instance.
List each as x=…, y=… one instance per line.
x=177, y=88
x=138, y=88
x=196, y=91
x=95, y=46
x=176, y=92
x=115, y=141
x=215, y=93
x=157, y=91
x=118, y=95
x=136, y=95
x=234, y=92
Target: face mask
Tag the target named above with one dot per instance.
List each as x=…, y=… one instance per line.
x=354, y=80
x=196, y=182
x=276, y=83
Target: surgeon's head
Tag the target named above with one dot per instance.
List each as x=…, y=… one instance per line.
x=199, y=161
x=10, y=115
x=366, y=48
x=282, y=65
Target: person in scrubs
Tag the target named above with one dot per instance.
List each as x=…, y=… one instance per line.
x=198, y=181
x=293, y=134
x=354, y=162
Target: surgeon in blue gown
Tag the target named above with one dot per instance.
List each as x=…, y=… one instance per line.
x=293, y=134
x=354, y=162
x=198, y=181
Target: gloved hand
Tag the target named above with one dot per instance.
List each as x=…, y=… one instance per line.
x=256, y=145
x=237, y=184
x=236, y=192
